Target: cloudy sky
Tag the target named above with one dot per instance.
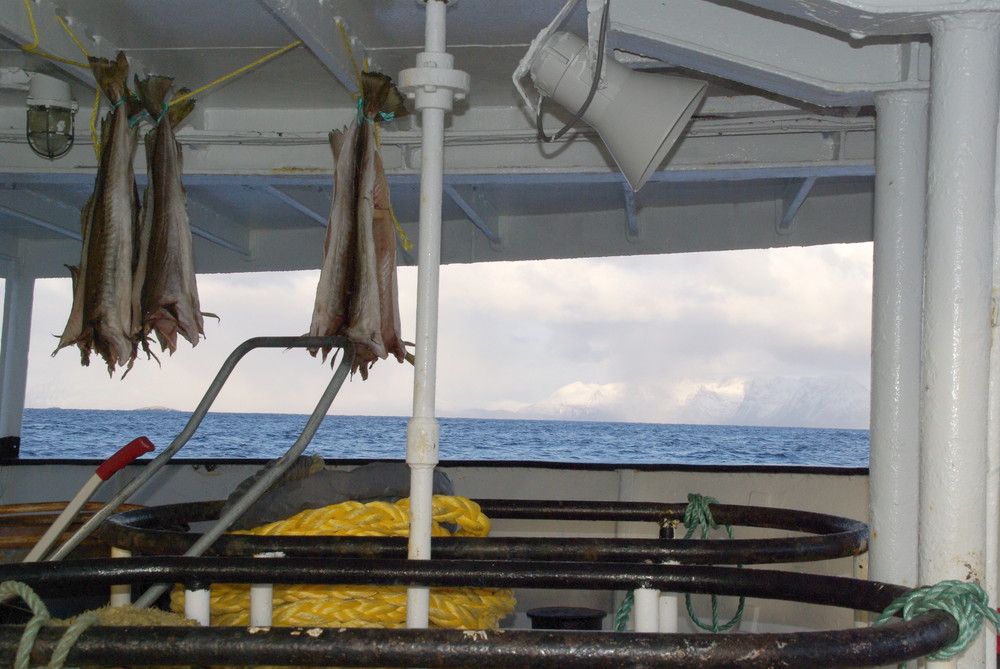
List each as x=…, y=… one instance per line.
x=657, y=328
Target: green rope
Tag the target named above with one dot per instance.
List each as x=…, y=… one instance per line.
x=41, y=616
x=624, y=611
x=698, y=514
x=966, y=602
x=69, y=637
x=10, y=589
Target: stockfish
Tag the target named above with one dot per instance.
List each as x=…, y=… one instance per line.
x=165, y=292
x=357, y=295
x=101, y=316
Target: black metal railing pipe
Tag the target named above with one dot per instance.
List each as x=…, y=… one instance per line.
x=149, y=530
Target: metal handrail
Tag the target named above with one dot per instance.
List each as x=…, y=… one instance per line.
x=273, y=471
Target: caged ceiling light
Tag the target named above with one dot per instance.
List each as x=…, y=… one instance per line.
x=51, y=109
x=639, y=116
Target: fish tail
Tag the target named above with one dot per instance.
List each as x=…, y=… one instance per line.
x=381, y=97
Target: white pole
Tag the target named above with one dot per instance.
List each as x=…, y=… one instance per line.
x=14, y=339
x=668, y=613
x=646, y=610
x=121, y=595
x=198, y=606
x=965, y=67
x=262, y=597
x=993, y=434
x=897, y=302
x=261, y=604
x=434, y=85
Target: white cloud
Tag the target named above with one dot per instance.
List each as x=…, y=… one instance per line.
x=513, y=333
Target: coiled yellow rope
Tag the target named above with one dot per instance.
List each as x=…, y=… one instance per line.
x=367, y=606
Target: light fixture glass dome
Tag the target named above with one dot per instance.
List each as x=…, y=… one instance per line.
x=51, y=111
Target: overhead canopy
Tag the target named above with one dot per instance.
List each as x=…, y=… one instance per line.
x=780, y=152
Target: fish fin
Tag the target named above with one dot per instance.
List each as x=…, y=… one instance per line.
x=179, y=112
x=337, y=138
x=381, y=96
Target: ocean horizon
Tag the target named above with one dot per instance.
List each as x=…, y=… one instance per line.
x=98, y=433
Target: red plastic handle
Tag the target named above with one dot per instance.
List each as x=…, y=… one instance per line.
x=125, y=455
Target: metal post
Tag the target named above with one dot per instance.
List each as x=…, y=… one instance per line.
x=965, y=68
x=434, y=85
x=18, y=297
x=897, y=302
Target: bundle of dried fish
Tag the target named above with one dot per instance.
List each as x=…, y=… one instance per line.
x=101, y=316
x=164, y=290
x=357, y=292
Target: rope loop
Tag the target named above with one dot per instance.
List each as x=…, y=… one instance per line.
x=9, y=589
x=964, y=601
x=698, y=514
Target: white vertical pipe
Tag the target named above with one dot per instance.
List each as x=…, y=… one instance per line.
x=668, y=614
x=646, y=610
x=121, y=595
x=897, y=302
x=423, y=431
x=956, y=334
x=14, y=340
x=262, y=597
x=261, y=604
x=198, y=606
x=993, y=430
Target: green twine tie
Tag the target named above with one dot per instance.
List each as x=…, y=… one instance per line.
x=966, y=602
x=383, y=116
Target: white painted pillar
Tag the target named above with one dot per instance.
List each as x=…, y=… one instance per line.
x=646, y=610
x=18, y=297
x=897, y=302
x=121, y=595
x=434, y=85
x=965, y=68
x=198, y=606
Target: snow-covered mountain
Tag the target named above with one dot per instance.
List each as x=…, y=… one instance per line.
x=798, y=402
x=836, y=402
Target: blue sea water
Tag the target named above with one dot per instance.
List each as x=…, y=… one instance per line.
x=95, y=434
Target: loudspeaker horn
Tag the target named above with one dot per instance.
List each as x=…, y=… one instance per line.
x=638, y=115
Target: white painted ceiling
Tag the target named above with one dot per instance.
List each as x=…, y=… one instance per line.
x=780, y=152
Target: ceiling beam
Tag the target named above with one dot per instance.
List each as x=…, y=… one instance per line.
x=53, y=39
x=315, y=23
x=208, y=224
x=795, y=194
x=478, y=219
x=631, y=214
x=823, y=73
x=284, y=197
x=38, y=222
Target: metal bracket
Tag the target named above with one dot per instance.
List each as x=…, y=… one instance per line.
x=631, y=214
x=795, y=194
x=482, y=215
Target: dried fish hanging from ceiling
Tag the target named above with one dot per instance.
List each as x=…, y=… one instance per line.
x=101, y=316
x=357, y=295
x=164, y=290
x=136, y=274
